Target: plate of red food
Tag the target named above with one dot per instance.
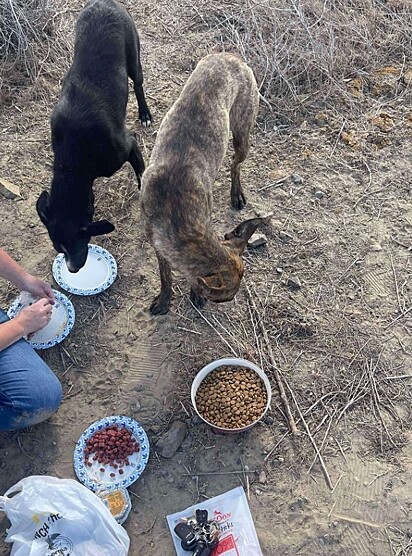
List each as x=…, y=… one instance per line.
x=111, y=453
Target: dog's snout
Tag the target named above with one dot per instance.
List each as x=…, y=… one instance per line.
x=72, y=267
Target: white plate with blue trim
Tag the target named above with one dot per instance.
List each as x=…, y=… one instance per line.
x=61, y=322
x=93, y=477
x=98, y=273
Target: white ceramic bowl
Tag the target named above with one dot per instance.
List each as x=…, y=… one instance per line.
x=231, y=362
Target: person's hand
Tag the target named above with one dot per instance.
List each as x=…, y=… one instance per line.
x=38, y=288
x=34, y=317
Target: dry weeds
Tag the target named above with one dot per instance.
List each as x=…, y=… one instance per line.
x=304, y=52
x=34, y=42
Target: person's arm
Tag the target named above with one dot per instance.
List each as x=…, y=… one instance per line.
x=10, y=332
x=23, y=280
x=28, y=320
x=32, y=318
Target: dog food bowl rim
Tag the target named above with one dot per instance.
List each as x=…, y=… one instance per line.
x=232, y=362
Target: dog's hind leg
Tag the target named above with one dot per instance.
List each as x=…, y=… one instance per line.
x=135, y=72
x=136, y=158
x=241, y=148
x=161, y=303
x=242, y=120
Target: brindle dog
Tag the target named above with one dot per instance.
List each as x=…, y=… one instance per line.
x=176, y=199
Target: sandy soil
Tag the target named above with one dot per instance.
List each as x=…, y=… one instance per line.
x=342, y=225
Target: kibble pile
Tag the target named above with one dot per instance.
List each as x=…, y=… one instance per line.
x=112, y=446
x=231, y=397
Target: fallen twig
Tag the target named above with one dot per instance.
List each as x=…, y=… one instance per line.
x=321, y=461
x=278, y=378
x=399, y=317
x=337, y=138
x=368, y=195
x=274, y=184
x=396, y=286
x=23, y=451
x=199, y=474
x=213, y=328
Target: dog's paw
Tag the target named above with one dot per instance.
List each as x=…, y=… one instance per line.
x=160, y=306
x=198, y=300
x=145, y=118
x=239, y=201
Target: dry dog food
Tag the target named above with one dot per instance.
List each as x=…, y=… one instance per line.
x=112, y=446
x=231, y=397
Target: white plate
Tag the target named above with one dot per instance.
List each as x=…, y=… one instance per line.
x=92, y=477
x=98, y=273
x=61, y=322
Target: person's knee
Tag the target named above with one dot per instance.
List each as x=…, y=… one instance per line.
x=49, y=395
x=46, y=398
x=36, y=403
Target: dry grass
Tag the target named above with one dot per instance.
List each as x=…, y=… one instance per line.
x=23, y=26
x=33, y=42
x=304, y=51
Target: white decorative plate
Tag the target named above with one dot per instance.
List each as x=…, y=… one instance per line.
x=95, y=479
x=61, y=322
x=98, y=273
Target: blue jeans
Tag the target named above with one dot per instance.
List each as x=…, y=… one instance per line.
x=29, y=390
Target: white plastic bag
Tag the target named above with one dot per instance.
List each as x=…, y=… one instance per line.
x=231, y=511
x=60, y=517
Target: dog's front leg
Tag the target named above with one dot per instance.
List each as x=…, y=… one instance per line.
x=161, y=303
x=197, y=298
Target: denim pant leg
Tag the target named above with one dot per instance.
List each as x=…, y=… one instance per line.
x=29, y=390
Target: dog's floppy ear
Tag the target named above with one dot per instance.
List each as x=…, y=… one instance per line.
x=42, y=207
x=211, y=282
x=98, y=228
x=237, y=239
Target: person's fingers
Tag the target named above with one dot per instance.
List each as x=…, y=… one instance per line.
x=49, y=292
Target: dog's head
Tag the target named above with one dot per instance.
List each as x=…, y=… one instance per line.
x=68, y=236
x=224, y=285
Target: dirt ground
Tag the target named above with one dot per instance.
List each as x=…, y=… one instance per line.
x=332, y=286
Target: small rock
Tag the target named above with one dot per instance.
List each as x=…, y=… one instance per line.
x=319, y=194
x=297, y=179
x=172, y=439
x=256, y=241
x=262, y=477
x=294, y=283
x=284, y=236
x=264, y=215
x=279, y=270
x=135, y=406
x=9, y=190
x=268, y=420
x=376, y=247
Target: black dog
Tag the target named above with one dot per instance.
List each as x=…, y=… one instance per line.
x=89, y=136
